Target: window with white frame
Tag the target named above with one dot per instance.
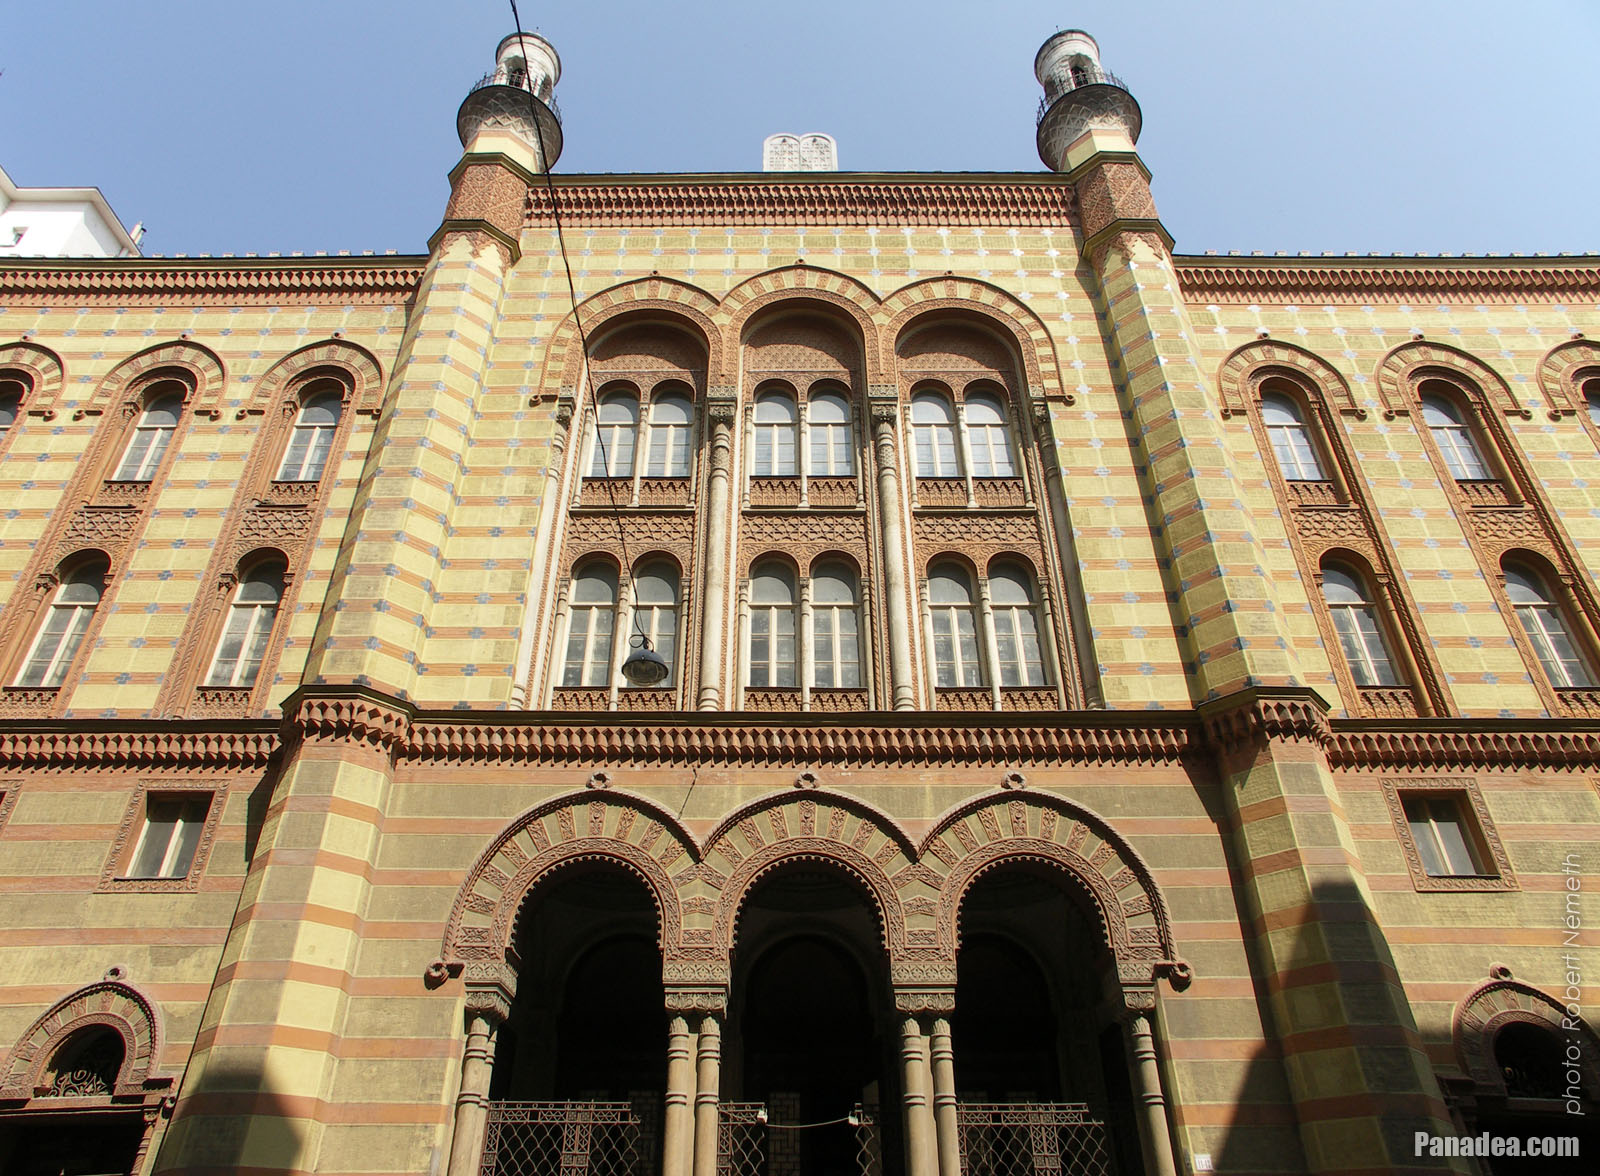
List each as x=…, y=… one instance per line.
x=152, y=435
x=66, y=621
x=1547, y=628
x=655, y=613
x=777, y=424
x=590, y=624
x=1016, y=627
x=169, y=836
x=988, y=436
x=1291, y=439
x=248, y=628
x=835, y=627
x=832, y=450
x=671, y=424
x=772, y=626
x=933, y=429
x=1444, y=836
x=1447, y=421
x=616, y=434
x=311, y=440
x=1355, y=618
x=955, y=628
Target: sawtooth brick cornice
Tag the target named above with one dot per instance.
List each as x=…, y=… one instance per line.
x=1361, y=279
x=211, y=280
x=845, y=199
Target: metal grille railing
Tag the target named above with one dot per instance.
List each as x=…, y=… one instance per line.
x=869, y=1141
x=563, y=1139
x=741, y=1139
x=1033, y=1139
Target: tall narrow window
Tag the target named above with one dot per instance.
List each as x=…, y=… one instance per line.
x=772, y=647
x=832, y=453
x=988, y=437
x=836, y=639
x=249, y=626
x=934, y=428
x=1291, y=439
x=669, y=437
x=169, y=837
x=955, y=628
x=1355, y=620
x=312, y=439
x=589, y=630
x=655, y=595
x=1453, y=436
x=152, y=434
x=71, y=610
x=777, y=423
x=1546, y=626
x=616, y=432
x=1440, y=830
x=1016, y=627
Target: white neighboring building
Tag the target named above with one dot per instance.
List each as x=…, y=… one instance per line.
x=60, y=222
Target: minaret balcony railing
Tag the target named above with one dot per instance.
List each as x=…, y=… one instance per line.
x=517, y=81
x=1077, y=80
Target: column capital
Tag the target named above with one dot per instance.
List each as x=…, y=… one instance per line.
x=1260, y=715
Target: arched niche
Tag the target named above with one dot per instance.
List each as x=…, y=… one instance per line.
x=112, y=1005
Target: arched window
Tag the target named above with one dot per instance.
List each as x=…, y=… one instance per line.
x=1291, y=439
x=1530, y=1061
x=65, y=623
x=589, y=629
x=988, y=437
x=835, y=627
x=248, y=628
x=1545, y=623
x=832, y=453
x=12, y=390
x=934, y=428
x=311, y=441
x=87, y=1064
x=655, y=595
x=772, y=647
x=152, y=434
x=1591, y=400
x=1355, y=620
x=616, y=432
x=1451, y=433
x=777, y=425
x=955, y=628
x=670, y=422
x=1016, y=627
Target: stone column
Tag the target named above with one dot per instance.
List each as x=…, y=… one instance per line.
x=720, y=411
x=677, y=1129
x=1150, y=1105
x=991, y=642
x=707, y=1095
x=946, y=1129
x=885, y=409
x=488, y=1006
x=807, y=639
x=922, y=1148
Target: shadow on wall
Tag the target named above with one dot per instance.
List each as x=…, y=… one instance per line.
x=230, y=1120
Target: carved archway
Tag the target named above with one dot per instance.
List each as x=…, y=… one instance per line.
x=1402, y=368
x=1501, y=1001
x=1001, y=310
x=201, y=363
x=45, y=372
x=1316, y=375
x=668, y=299
x=1558, y=375
x=361, y=365
x=112, y=1004
x=1010, y=827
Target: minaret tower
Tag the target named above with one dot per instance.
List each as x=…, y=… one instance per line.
x=1335, y=996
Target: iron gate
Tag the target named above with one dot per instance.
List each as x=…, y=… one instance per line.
x=565, y=1139
x=1033, y=1139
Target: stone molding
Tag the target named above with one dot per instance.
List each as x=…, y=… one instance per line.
x=1265, y=714
x=589, y=201
x=1502, y=1000
x=44, y=371
x=138, y=744
x=1358, y=279
x=219, y=281
x=1454, y=745
x=111, y=1002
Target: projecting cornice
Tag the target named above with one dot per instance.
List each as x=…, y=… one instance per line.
x=210, y=281
x=1364, y=279
x=143, y=744
x=845, y=199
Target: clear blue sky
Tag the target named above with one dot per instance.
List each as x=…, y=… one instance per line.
x=1357, y=125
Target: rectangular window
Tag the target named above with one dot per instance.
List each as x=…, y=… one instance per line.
x=170, y=835
x=1443, y=834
